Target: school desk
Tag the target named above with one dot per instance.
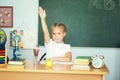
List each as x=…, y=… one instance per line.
x=58, y=72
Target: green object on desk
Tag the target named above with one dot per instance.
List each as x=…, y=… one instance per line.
x=83, y=57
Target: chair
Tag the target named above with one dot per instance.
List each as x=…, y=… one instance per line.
x=43, y=57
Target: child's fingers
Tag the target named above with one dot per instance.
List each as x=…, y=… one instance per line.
x=42, y=12
x=41, y=9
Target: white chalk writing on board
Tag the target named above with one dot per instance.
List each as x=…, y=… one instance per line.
x=103, y=4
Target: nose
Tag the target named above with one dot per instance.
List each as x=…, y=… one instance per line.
x=56, y=35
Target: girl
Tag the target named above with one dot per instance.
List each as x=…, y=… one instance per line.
x=56, y=48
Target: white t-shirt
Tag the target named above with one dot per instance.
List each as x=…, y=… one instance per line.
x=56, y=49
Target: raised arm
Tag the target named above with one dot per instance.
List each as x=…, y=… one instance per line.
x=42, y=15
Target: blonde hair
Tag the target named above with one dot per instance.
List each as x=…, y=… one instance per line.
x=60, y=25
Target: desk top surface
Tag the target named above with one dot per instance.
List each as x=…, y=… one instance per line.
x=58, y=68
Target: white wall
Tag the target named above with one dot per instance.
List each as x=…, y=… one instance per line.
x=25, y=16
x=26, y=13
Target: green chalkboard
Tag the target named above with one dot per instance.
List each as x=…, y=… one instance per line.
x=90, y=23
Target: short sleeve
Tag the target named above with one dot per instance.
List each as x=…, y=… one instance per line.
x=51, y=41
x=68, y=48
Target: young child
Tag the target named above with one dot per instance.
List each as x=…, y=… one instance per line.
x=57, y=50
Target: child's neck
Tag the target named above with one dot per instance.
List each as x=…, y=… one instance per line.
x=59, y=42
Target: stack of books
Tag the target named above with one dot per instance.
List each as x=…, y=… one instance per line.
x=81, y=63
x=16, y=64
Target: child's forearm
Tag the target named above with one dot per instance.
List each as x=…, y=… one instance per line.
x=64, y=59
x=68, y=57
x=44, y=26
x=42, y=14
x=45, y=30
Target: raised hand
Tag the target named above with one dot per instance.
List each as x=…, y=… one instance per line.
x=42, y=15
x=42, y=12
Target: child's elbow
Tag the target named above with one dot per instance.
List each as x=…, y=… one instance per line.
x=69, y=56
x=69, y=59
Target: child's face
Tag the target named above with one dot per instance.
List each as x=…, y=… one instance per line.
x=58, y=34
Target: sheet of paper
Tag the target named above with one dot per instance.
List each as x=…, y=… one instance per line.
x=57, y=62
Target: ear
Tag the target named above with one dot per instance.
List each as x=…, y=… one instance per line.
x=64, y=34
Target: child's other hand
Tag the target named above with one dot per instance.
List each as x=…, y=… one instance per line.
x=42, y=13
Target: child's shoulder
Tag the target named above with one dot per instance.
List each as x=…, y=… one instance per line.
x=67, y=45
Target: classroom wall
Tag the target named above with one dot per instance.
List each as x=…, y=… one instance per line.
x=28, y=8
x=25, y=16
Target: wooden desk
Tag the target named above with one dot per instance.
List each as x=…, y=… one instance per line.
x=59, y=72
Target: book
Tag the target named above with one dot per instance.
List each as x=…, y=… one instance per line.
x=15, y=66
x=80, y=67
x=82, y=63
x=83, y=60
x=17, y=61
